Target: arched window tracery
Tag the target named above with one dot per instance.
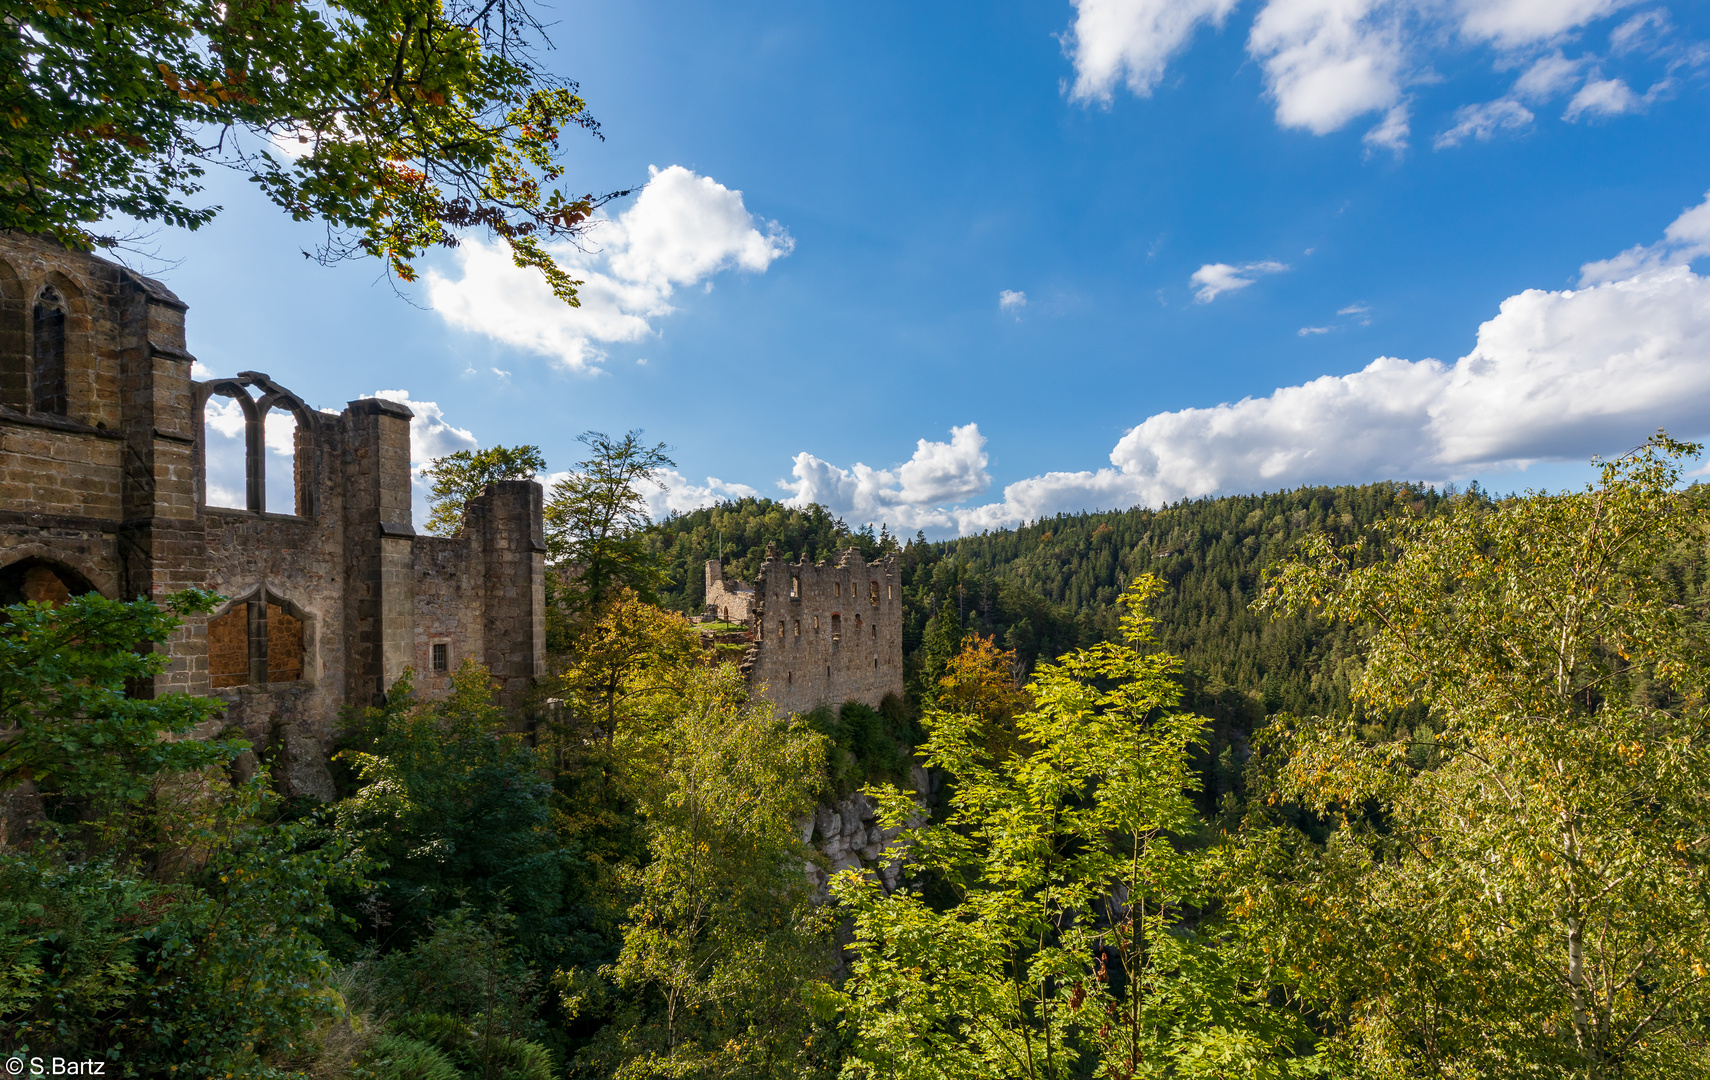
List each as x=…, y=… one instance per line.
x=277, y=460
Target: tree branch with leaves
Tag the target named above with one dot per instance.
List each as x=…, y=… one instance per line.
x=402, y=125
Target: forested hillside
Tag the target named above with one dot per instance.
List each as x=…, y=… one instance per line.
x=1051, y=586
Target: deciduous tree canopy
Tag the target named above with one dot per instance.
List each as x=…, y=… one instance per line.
x=401, y=124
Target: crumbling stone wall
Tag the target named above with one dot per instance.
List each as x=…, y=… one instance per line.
x=827, y=633
x=729, y=600
x=330, y=599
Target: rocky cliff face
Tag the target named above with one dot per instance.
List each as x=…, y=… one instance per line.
x=849, y=836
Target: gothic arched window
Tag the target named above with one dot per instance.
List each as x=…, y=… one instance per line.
x=257, y=642
x=47, y=368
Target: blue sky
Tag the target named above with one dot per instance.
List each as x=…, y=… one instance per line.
x=1187, y=203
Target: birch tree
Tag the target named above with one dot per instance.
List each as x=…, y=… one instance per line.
x=1530, y=896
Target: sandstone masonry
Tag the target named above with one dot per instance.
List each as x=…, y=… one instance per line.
x=823, y=633
x=102, y=488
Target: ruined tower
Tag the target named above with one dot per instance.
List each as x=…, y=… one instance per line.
x=824, y=633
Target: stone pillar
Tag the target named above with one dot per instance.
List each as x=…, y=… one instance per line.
x=379, y=539
x=514, y=590
x=161, y=541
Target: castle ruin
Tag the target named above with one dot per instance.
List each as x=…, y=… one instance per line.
x=103, y=489
x=824, y=633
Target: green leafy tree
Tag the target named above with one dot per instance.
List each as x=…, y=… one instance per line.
x=631, y=662
x=140, y=888
x=1063, y=948
x=461, y=995
x=401, y=124
x=458, y=478
x=1528, y=896
x=597, y=515
x=723, y=948
x=72, y=735
x=453, y=809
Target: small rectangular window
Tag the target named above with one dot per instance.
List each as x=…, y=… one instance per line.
x=836, y=588
x=441, y=657
x=816, y=622
x=795, y=588
x=798, y=628
x=873, y=592
x=889, y=595
x=780, y=628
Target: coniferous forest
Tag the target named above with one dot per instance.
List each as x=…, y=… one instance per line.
x=1052, y=586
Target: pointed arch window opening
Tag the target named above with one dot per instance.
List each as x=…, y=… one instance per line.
x=48, y=391
x=224, y=453
x=281, y=461
x=266, y=480
x=258, y=641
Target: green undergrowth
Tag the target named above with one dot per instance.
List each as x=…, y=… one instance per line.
x=721, y=628
x=868, y=745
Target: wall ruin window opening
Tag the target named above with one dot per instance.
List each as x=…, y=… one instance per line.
x=441, y=657
x=816, y=622
x=857, y=624
x=780, y=628
x=225, y=453
x=256, y=642
x=890, y=593
x=835, y=587
x=41, y=581
x=14, y=319
x=280, y=463
x=872, y=592
x=795, y=588
x=836, y=628
x=248, y=463
x=47, y=369
x=798, y=628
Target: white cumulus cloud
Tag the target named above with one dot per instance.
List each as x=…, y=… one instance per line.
x=913, y=495
x=1613, y=97
x=1132, y=41
x=1686, y=238
x=1517, y=23
x=1554, y=375
x=681, y=231
x=1644, y=31
x=1214, y=279
x=1548, y=77
x=1012, y=300
x=676, y=493
x=1392, y=131
x=1329, y=62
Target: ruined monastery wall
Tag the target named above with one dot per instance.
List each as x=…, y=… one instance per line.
x=102, y=488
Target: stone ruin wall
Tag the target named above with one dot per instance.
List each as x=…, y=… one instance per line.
x=827, y=633
x=331, y=598
x=728, y=599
